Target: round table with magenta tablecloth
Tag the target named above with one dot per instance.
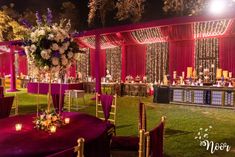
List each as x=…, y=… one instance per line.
x=57, y=90
x=30, y=142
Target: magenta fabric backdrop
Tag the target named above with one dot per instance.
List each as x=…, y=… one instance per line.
x=181, y=48
x=181, y=56
x=123, y=62
x=23, y=65
x=135, y=60
x=102, y=63
x=5, y=64
x=227, y=54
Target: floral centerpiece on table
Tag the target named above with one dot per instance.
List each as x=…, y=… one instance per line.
x=49, y=46
x=48, y=119
x=50, y=49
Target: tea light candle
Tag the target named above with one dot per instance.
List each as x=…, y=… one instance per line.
x=183, y=74
x=53, y=129
x=67, y=120
x=18, y=127
x=174, y=74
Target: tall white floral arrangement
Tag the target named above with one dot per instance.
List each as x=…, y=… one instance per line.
x=49, y=46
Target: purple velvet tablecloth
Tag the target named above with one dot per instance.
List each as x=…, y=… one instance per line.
x=32, y=87
x=30, y=142
x=42, y=88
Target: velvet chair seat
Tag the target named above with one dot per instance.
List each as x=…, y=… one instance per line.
x=5, y=106
x=125, y=143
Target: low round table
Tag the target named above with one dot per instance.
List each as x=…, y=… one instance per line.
x=30, y=142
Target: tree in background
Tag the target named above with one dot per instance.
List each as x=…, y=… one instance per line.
x=10, y=29
x=184, y=7
x=68, y=10
x=126, y=9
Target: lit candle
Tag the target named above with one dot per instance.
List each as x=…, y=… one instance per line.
x=174, y=74
x=18, y=127
x=183, y=74
x=53, y=129
x=230, y=74
x=189, y=72
x=67, y=120
x=225, y=74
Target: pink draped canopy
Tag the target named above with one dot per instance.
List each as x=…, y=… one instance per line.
x=180, y=35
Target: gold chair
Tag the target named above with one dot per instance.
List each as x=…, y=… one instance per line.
x=100, y=113
x=107, y=114
x=149, y=145
x=142, y=117
x=144, y=143
x=127, y=146
x=70, y=96
x=15, y=105
x=80, y=147
x=68, y=99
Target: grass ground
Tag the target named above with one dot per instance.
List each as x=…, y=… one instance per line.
x=182, y=123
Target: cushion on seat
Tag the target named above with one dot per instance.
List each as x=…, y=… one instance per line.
x=125, y=143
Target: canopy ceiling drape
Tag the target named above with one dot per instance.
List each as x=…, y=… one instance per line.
x=181, y=39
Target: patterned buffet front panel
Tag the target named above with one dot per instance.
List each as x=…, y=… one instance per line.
x=229, y=98
x=203, y=95
x=178, y=95
x=198, y=96
x=217, y=97
x=188, y=96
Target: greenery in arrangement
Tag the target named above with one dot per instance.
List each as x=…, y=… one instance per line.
x=49, y=46
x=48, y=119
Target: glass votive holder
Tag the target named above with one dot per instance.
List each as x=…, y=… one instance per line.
x=67, y=120
x=18, y=127
x=53, y=129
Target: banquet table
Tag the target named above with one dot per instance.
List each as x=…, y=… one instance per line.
x=30, y=142
x=56, y=90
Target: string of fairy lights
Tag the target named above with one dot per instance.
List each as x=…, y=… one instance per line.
x=156, y=61
x=113, y=62
x=210, y=28
x=207, y=54
x=154, y=35
x=151, y=35
x=105, y=43
x=206, y=45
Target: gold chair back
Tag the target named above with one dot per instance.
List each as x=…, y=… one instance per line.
x=100, y=112
x=80, y=147
x=15, y=105
x=142, y=117
x=144, y=141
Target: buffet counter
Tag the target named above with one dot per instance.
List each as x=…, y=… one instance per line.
x=132, y=89
x=195, y=95
x=203, y=95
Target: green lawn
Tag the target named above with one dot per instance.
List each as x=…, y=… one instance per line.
x=182, y=123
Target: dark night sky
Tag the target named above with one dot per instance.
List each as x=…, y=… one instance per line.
x=153, y=10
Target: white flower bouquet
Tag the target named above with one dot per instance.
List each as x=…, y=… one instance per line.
x=49, y=46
